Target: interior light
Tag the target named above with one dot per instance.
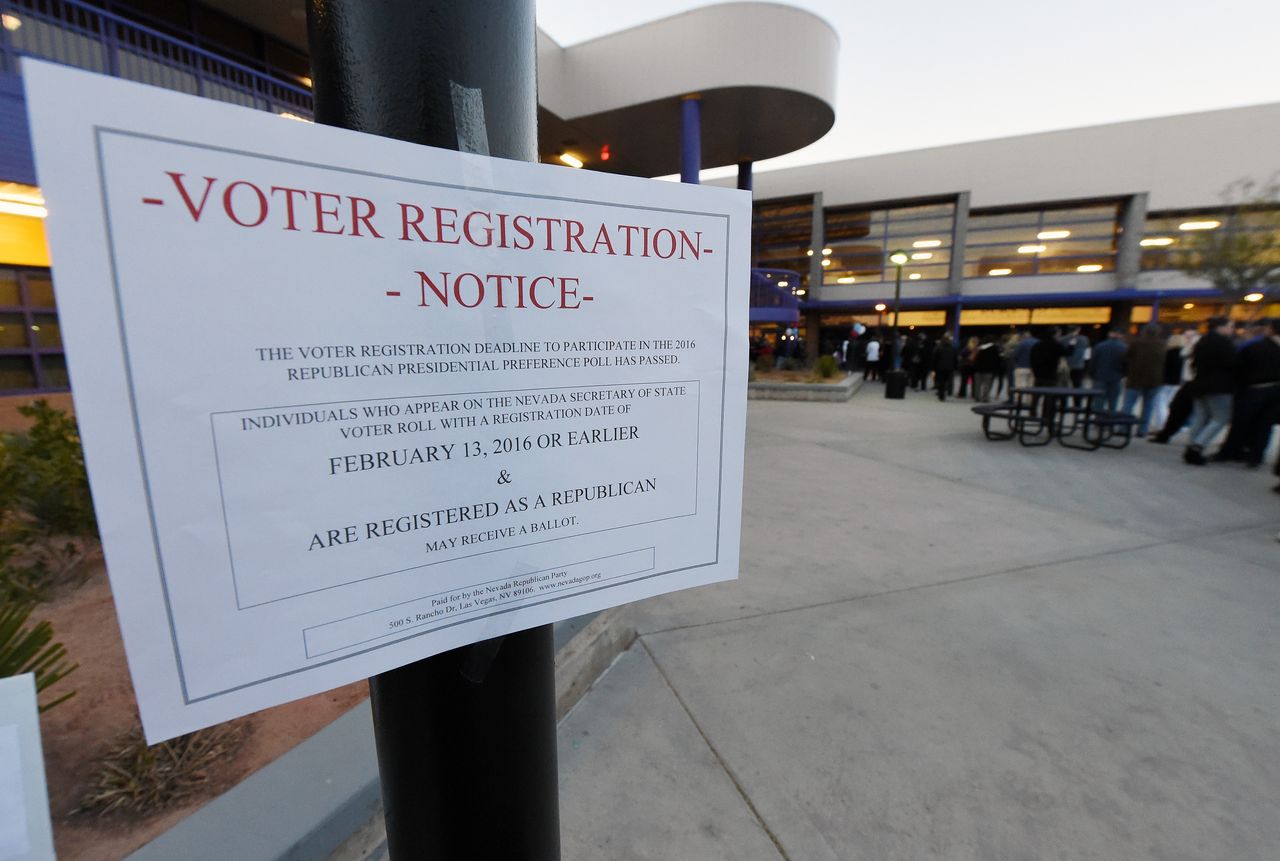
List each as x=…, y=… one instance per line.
x=784, y=283
x=1053, y=234
x=1030, y=249
x=289, y=116
x=1188, y=306
x=1199, y=225
x=914, y=276
x=31, y=210
x=570, y=159
x=880, y=306
x=922, y=255
x=809, y=252
x=926, y=243
x=826, y=252
x=1156, y=241
x=1089, y=267
x=800, y=292
x=11, y=22
x=35, y=328
x=826, y=261
x=1253, y=297
x=306, y=82
x=768, y=274
x=999, y=271
x=847, y=279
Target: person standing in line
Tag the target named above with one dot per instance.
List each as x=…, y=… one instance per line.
x=987, y=368
x=1108, y=368
x=1022, y=376
x=968, y=355
x=1045, y=355
x=1214, y=359
x=1078, y=346
x=944, y=365
x=1172, y=378
x=1257, y=394
x=1145, y=373
x=872, y=369
x=1005, y=381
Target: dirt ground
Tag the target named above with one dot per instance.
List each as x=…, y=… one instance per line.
x=77, y=733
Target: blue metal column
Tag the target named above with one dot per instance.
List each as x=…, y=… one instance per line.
x=744, y=175
x=690, y=139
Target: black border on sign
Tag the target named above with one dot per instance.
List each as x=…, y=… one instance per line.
x=100, y=131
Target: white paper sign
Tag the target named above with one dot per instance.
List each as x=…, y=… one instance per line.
x=348, y=402
x=26, y=833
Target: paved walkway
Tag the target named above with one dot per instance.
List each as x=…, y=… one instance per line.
x=943, y=647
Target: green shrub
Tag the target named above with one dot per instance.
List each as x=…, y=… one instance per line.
x=44, y=469
x=47, y=522
x=826, y=367
x=30, y=650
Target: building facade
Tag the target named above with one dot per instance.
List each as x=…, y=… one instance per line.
x=1083, y=226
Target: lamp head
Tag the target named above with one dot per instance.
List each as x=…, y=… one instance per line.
x=898, y=258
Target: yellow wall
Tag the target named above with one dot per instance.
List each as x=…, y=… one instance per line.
x=22, y=241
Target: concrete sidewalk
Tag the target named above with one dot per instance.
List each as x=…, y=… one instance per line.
x=944, y=647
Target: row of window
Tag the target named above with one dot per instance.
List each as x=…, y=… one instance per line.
x=1068, y=239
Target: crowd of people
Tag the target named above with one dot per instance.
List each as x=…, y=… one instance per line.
x=1226, y=378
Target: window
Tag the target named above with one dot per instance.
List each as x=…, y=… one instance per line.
x=31, y=357
x=1165, y=236
x=781, y=235
x=1046, y=241
x=861, y=238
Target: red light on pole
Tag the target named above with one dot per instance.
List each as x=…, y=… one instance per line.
x=604, y=153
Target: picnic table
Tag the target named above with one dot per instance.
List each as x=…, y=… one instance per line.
x=1037, y=415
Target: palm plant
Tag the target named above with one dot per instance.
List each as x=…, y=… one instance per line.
x=30, y=650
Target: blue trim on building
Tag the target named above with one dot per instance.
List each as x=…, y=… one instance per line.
x=1015, y=299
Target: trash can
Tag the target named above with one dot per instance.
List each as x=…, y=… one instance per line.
x=895, y=385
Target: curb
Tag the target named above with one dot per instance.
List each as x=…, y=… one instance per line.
x=322, y=799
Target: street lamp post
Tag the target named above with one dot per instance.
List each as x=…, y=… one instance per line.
x=895, y=386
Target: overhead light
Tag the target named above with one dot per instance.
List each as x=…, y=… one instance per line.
x=30, y=210
x=1030, y=249
x=306, y=82
x=847, y=279
x=826, y=261
x=926, y=243
x=897, y=258
x=922, y=255
x=784, y=283
x=1089, y=267
x=999, y=271
x=826, y=252
x=570, y=159
x=35, y=328
x=289, y=116
x=1253, y=297
x=1188, y=306
x=801, y=292
x=1199, y=225
x=809, y=252
x=914, y=276
x=880, y=306
x=1053, y=234
x=10, y=22
x=1156, y=241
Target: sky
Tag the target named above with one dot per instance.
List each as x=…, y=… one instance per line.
x=933, y=72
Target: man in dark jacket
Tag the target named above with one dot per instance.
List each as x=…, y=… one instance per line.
x=1145, y=374
x=1257, y=394
x=1214, y=359
x=1045, y=355
x=1108, y=367
x=944, y=365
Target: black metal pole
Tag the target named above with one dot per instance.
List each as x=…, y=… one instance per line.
x=466, y=739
